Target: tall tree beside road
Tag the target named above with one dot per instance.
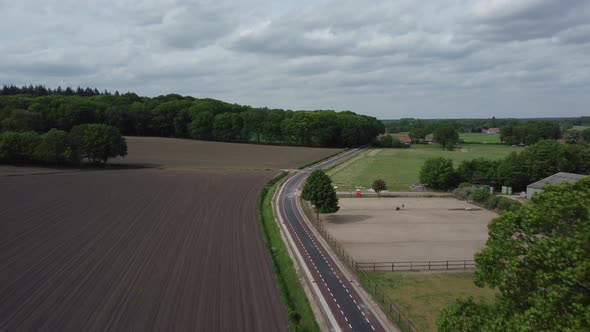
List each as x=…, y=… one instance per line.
x=320, y=192
x=538, y=257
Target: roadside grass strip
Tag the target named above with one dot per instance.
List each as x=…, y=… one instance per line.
x=299, y=312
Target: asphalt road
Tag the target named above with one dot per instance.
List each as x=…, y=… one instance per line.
x=348, y=308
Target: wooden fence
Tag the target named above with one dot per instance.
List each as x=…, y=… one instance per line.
x=378, y=294
x=415, y=266
x=402, y=321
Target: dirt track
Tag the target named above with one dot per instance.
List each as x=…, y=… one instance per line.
x=135, y=250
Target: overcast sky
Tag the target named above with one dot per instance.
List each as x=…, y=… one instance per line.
x=389, y=59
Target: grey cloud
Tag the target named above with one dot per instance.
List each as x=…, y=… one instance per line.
x=448, y=58
x=524, y=20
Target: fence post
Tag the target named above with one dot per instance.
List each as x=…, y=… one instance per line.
x=428, y=265
x=411, y=266
x=373, y=267
x=464, y=264
x=447, y=265
x=392, y=263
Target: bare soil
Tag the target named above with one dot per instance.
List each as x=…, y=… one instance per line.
x=178, y=249
x=372, y=230
x=173, y=153
x=135, y=250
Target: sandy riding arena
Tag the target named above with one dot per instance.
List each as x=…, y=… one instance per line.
x=372, y=230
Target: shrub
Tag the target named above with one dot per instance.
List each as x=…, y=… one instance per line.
x=491, y=202
x=507, y=204
x=481, y=195
x=463, y=193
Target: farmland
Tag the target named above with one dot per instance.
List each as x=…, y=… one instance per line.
x=480, y=138
x=422, y=295
x=175, y=248
x=173, y=153
x=401, y=167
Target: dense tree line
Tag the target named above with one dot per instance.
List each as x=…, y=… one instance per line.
x=188, y=117
x=529, y=132
x=517, y=170
x=513, y=131
x=94, y=143
x=41, y=90
x=538, y=258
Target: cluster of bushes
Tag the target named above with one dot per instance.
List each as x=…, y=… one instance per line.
x=484, y=198
x=94, y=143
x=186, y=117
x=387, y=141
x=517, y=170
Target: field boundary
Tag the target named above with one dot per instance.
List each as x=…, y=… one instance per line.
x=416, y=266
x=293, y=296
x=388, y=306
x=323, y=159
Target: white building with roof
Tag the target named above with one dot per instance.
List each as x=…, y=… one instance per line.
x=556, y=178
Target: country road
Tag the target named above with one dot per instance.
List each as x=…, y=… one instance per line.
x=345, y=304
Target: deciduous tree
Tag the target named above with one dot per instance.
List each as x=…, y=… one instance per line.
x=379, y=185
x=438, y=173
x=538, y=257
x=319, y=191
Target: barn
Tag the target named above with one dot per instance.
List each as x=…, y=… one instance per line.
x=557, y=178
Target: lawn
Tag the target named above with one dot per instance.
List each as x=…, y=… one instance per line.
x=400, y=167
x=480, y=138
x=581, y=127
x=421, y=296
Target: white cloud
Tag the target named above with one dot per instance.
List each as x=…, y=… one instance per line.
x=452, y=58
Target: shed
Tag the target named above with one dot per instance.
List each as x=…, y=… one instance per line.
x=557, y=178
x=405, y=139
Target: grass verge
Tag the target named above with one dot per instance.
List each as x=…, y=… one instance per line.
x=421, y=296
x=293, y=296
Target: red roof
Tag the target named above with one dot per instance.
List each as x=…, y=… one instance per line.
x=404, y=139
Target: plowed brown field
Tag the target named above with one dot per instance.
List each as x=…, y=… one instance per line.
x=139, y=250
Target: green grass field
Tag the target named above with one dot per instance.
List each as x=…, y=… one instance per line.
x=480, y=138
x=421, y=296
x=400, y=167
x=581, y=127
x=400, y=134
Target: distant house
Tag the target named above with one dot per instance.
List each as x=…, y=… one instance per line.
x=557, y=178
x=405, y=139
x=491, y=131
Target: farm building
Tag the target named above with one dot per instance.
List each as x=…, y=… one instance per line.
x=557, y=178
x=405, y=139
x=490, y=131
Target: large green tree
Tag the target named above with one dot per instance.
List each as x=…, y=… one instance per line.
x=320, y=192
x=446, y=135
x=98, y=142
x=438, y=173
x=55, y=148
x=538, y=257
